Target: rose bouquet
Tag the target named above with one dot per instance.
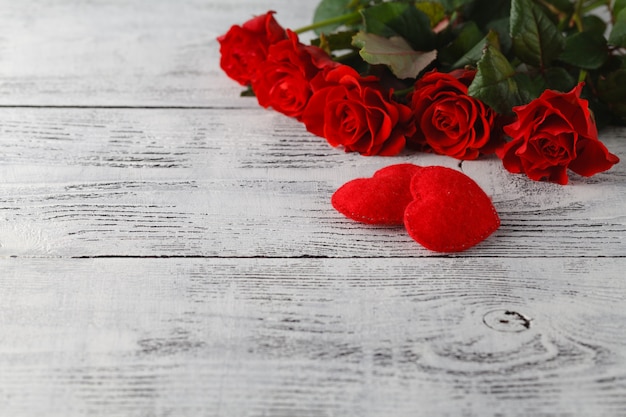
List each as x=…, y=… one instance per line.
x=527, y=80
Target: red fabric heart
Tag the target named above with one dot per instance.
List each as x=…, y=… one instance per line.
x=450, y=212
x=381, y=199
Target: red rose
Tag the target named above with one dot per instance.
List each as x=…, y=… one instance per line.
x=448, y=121
x=553, y=133
x=243, y=48
x=283, y=80
x=350, y=111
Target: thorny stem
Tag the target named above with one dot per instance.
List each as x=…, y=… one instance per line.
x=551, y=7
x=346, y=18
x=595, y=5
x=402, y=94
x=576, y=17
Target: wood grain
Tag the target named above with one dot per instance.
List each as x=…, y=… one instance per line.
x=246, y=183
x=168, y=248
x=254, y=337
x=129, y=53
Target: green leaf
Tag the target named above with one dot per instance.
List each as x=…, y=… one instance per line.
x=613, y=87
x=618, y=6
x=248, y=92
x=585, y=50
x=494, y=83
x=529, y=88
x=400, y=19
x=594, y=24
x=485, y=11
x=473, y=55
x=618, y=33
x=502, y=27
x=452, y=5
x=536, y=40
x=557, y=78
x=335, y=41
x=328, y=9
x=395, y=52
x=463, y=39
x=612, y=90
x=434, y=10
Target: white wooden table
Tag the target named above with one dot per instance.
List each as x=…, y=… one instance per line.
x=168, y=248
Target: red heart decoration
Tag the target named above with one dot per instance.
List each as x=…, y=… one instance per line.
x=450, y=212
x=381, y=199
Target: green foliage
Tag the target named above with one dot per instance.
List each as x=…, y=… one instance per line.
x=559, y=79
x=336, y=41
x=519, y=47
x=328, y=9
x=502, y=27
x=483, y=12
x=468, y=48
x=536, y=40
x=565, y=6
x=594, y=24
x=494, y=83
x=618, y=6
x=394, y=52
x=452, y=5
x=400, y=19
x=248, y=92
x=612, y=90
x=434, y=10
x=618, y=33
x=586, y=50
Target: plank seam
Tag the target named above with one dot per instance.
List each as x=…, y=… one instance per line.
x=444, y=256
x=121, y=107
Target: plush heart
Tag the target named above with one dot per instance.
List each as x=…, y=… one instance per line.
x=381, y=199
x=450, y=212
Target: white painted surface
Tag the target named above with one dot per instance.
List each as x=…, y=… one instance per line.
x=280, y=337
x=124, y=53
x=269, y=302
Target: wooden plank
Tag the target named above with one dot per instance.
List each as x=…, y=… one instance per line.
x=239, y=337
x=107, y=182
x=124, y=53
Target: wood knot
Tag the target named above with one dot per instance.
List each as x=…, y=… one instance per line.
x=504, y=320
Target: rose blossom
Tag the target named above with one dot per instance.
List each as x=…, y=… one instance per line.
x=283, y=80
x=244, y=47
x=351, y=111
x=448, y=121
x=553, y=133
